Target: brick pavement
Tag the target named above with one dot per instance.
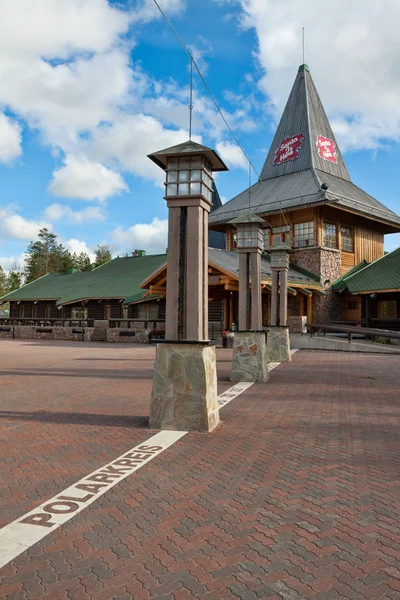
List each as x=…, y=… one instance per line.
x=296, y=496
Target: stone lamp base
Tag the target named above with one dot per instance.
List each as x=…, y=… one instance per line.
x=278, y=344
x=249, y=361
x=184, y=394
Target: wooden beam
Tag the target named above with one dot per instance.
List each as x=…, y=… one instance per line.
x=231, y=287
x=309, y=309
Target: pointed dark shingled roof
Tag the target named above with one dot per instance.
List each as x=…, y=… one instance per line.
x=297, y=182
x=216, y=239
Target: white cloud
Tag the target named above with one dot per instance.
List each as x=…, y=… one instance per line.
x=128, y=140
x=353, y=53
x=78, y=246
x=61, y=212
x=232, y=155
x=16, y=227
x=86, y=180
x=146, y=10
x=12, y=262
x=151, y=237
x=10, y=139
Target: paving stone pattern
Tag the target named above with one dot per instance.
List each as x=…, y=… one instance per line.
x=295, y=496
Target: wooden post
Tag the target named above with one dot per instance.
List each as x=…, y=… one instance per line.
x=256, y=309
x=243, y=290
x=283, y=298
x=274, y=299
x=309, y=309
x=171, y=332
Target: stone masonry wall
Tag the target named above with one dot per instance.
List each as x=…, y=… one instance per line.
x=325, y=262
x=32, y=332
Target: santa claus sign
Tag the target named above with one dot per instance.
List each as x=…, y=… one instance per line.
x=288, y=149
x=326, y=149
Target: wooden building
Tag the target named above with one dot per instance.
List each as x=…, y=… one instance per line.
x=307, y=199
x=370, y=293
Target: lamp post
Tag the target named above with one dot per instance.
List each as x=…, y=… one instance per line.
x=249, y=361
x=278, y=343
x=184, y=386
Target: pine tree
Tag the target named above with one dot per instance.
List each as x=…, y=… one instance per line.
x=102, y=255
x=46, y=255
x=14, y=279
x=83, y=262
x=3, y=283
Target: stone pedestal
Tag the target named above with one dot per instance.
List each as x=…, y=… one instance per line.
x=184, y=394
x=249, y=361
x=278, y=344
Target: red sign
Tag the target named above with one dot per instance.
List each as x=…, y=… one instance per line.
x=288, y=149
x=326, y=149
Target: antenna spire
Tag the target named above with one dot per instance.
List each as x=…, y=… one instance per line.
x=304, y=52
x=191, y=98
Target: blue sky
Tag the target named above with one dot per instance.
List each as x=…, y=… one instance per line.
x=88, y=89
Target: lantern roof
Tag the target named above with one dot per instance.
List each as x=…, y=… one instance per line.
x=280, y=247
x=188, y=148
x=248, y=217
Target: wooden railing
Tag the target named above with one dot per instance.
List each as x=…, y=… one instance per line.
x=370, y=332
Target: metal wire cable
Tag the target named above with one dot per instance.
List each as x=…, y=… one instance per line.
x=205, y=84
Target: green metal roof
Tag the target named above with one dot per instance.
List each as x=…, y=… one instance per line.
x=383, y=274
x=119, y=278
x=339, y=283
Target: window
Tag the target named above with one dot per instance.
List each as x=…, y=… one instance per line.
x=281, y=235
x=387, y=309
x=148, y=311
x=304, y=234
x=330, y=235
x=347, y=243
x=78, y=313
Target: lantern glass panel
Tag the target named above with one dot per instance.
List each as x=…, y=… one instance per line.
x=183, y=175
x=183, y=189
x=195, y=188
x=172, y=176
x=172, y=189
x=195, y=175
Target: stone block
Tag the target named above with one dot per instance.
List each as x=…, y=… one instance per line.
x=249, y=360
x=278, y=344
x=101, y=324
x=297, y=324
x=184, y=394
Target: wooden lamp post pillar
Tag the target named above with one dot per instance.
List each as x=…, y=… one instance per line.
x=278, y=343
x=184, y=386
x=249, y=362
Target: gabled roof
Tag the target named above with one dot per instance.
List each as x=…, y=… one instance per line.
x=304, y=115
x=119, y=278
x=303, y=156
x=216, y=239
x=339, y=284
x=381, y=275
x=228, y=260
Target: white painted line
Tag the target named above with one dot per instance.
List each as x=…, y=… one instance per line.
x=32, y=527
x=233, y=393
x=20, y=535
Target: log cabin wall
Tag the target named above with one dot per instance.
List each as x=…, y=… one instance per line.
x=368, y=237
x=351, y=308
x=95, y=310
